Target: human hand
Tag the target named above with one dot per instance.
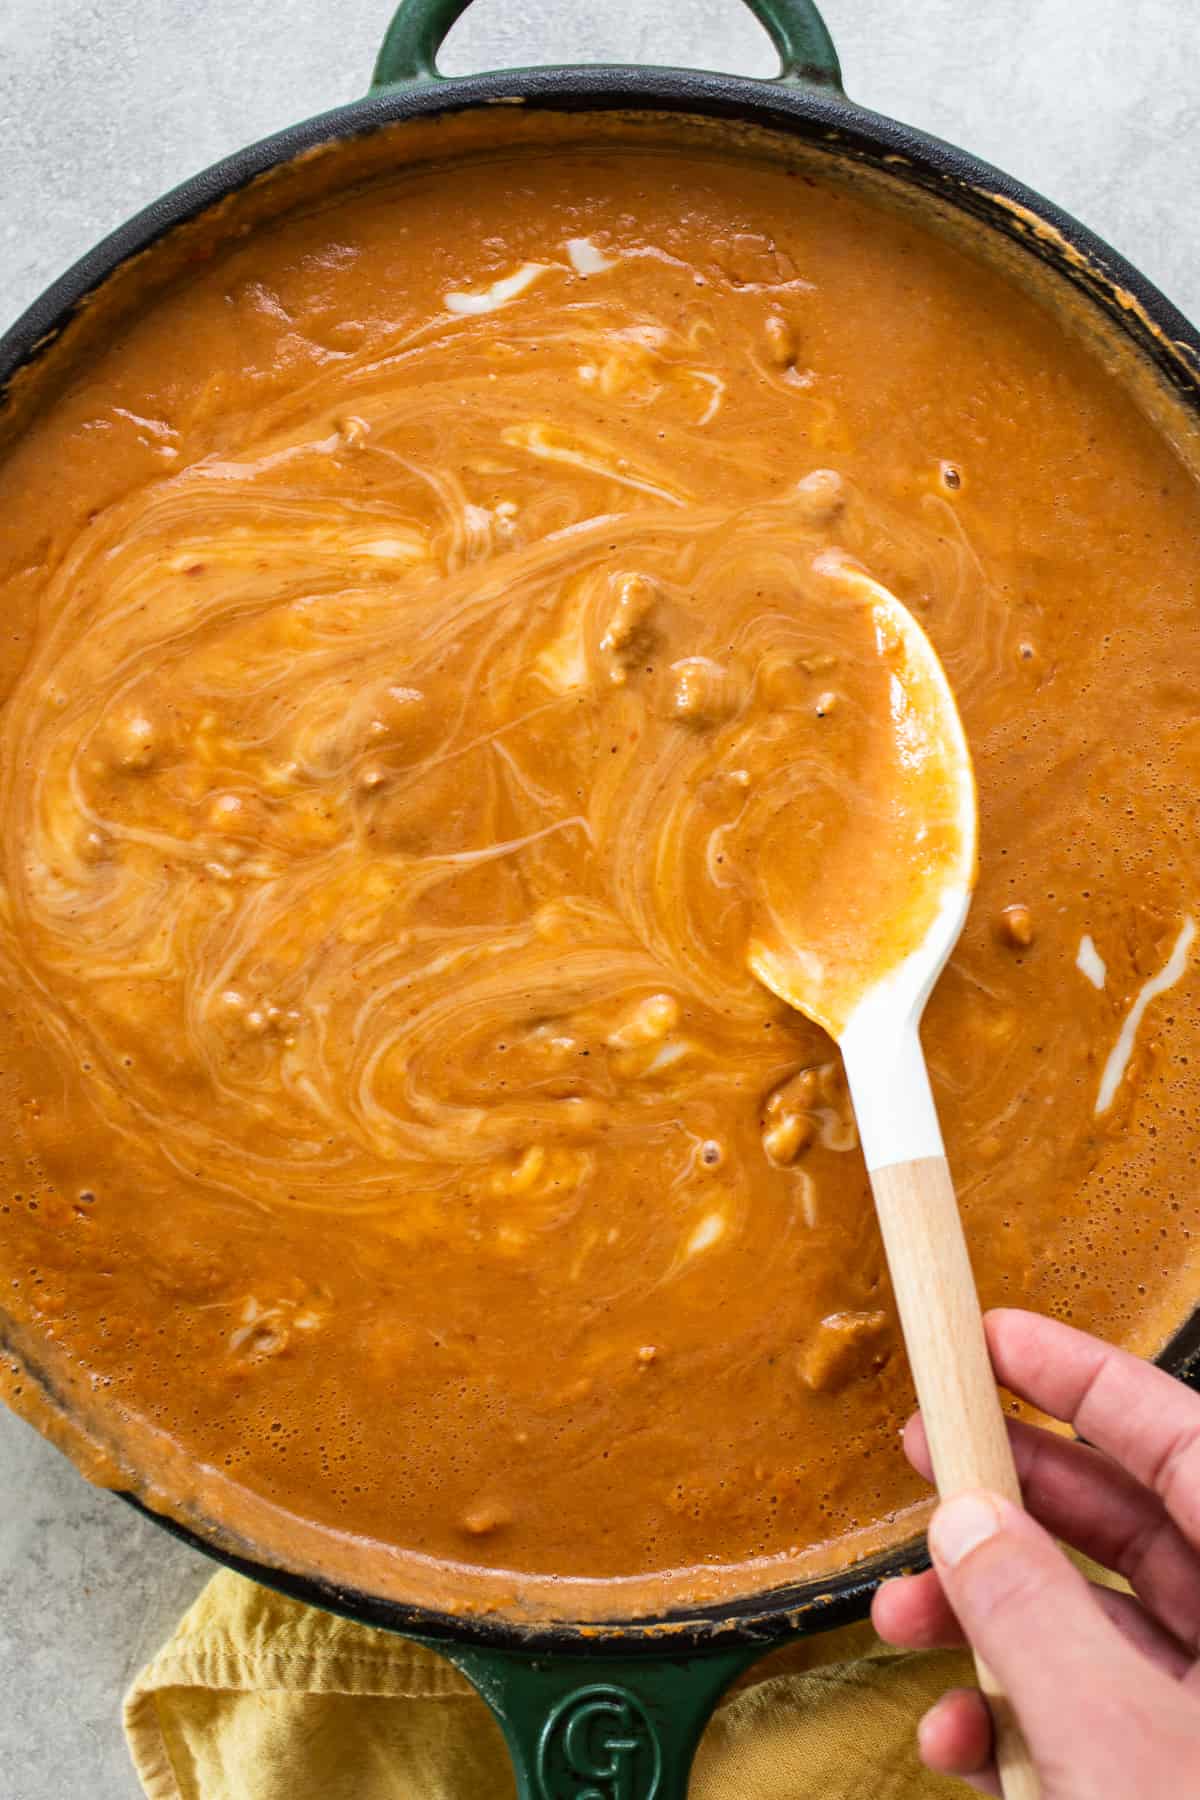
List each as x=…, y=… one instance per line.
x=1106, y=1686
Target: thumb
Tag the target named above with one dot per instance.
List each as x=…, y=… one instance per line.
x=1031, y=1616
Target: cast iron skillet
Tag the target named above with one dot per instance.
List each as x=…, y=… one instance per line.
x=616, y=1710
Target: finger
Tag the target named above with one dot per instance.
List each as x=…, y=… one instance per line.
x=1085, y=1498
x=1011, y=1588
x=1139, y=1415
x=1144, y=1632
x=914, y=1613
x=955, y=1738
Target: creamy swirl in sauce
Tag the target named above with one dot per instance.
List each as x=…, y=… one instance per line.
x=427, y=837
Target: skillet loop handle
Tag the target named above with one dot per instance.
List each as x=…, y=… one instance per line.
x=795, y=27
x=604, y=1727
x=806, y=51
x=414, y=37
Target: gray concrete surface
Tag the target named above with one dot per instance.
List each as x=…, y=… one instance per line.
x=104, y=103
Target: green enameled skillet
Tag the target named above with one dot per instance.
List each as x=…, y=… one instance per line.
x=613, y=1712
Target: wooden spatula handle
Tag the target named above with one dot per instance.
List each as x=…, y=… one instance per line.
x=943, y=1332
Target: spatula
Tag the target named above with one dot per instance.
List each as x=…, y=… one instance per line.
x=873, y=1008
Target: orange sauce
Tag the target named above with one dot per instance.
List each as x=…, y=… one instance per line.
x=420, y=633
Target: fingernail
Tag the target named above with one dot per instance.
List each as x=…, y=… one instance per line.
x=961, y=1525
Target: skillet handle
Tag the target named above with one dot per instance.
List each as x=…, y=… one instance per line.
x=795, y=27
x=601, y=1727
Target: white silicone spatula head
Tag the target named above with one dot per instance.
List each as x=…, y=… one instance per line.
x=861, y=958
x=864, y=971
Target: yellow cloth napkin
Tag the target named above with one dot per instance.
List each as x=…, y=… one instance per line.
x=256, y=1697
